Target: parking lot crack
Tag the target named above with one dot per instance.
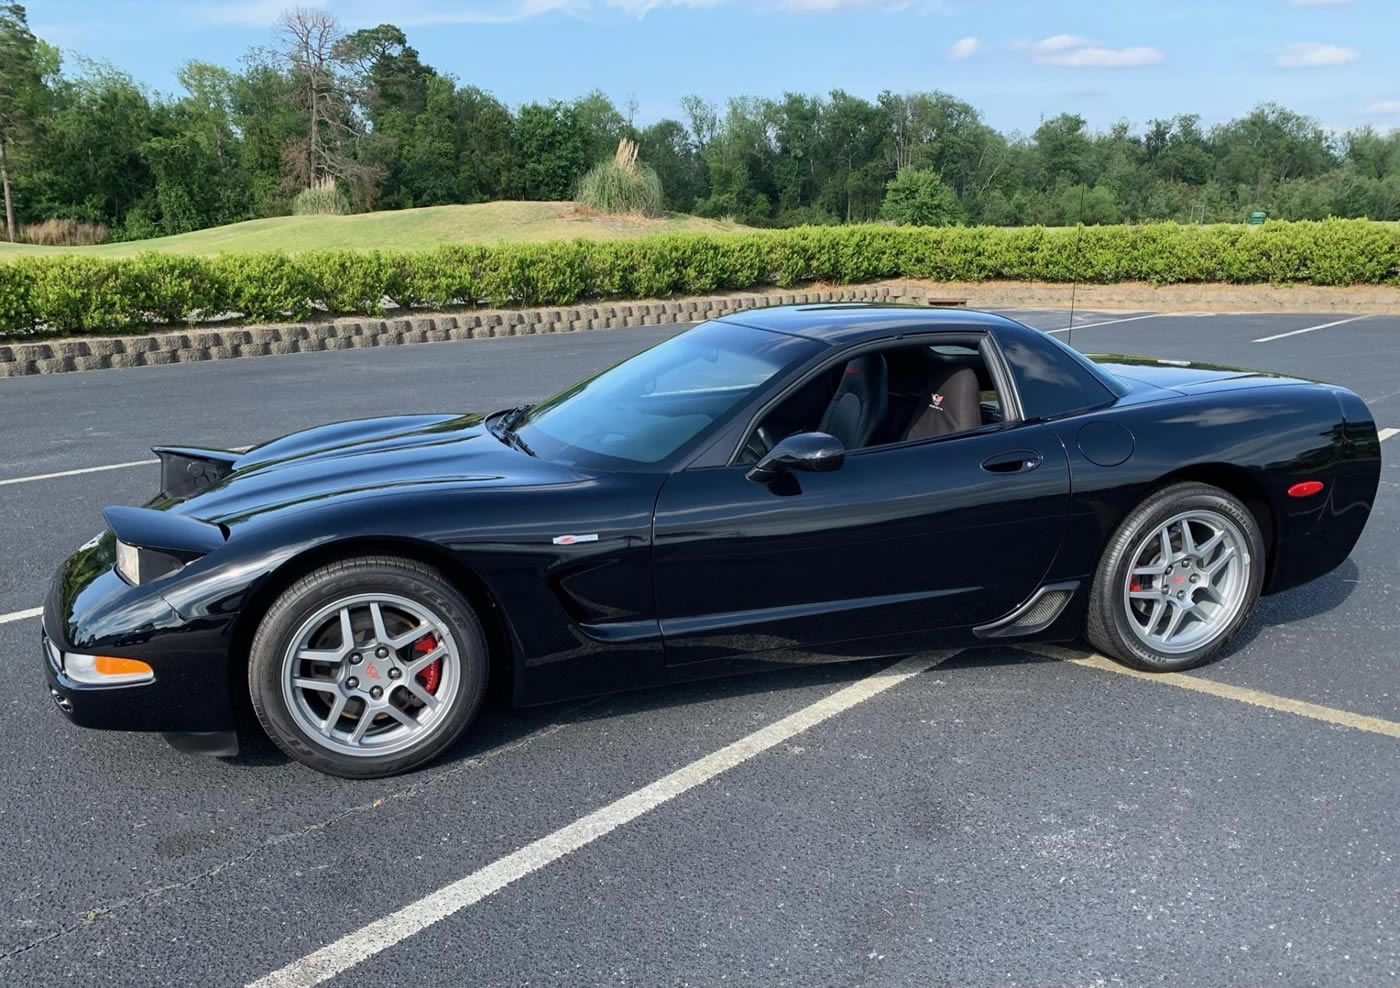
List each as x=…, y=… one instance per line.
x=97, y=913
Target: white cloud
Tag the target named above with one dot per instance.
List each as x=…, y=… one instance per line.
x=1073, y=52
x=1388, y=107
x=964, y=48
x=1311, y=55
x=1059, y=42
x=1102, y=58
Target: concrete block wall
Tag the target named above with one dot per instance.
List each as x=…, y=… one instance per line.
x=102, y=353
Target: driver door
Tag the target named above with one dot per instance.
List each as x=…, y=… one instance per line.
x=913, y=539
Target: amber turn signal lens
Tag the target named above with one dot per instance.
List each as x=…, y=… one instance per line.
x=111, y=665
x=106, y=670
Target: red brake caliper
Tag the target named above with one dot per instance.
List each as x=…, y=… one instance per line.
x=431, y=676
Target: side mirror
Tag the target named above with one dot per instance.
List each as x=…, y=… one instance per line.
x=815, y=452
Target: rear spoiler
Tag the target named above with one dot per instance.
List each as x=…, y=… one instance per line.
x=187, y=470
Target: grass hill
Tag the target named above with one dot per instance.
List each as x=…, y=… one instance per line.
x=489, y=223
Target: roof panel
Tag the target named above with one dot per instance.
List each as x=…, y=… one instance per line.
x=854, y=322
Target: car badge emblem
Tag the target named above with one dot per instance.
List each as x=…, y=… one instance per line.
x=574, y=539
x=937, y=402
x=371, y=671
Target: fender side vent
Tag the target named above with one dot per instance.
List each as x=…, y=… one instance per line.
x=1034, y=615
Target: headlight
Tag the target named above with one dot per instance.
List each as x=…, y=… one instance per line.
x=137, y=566
x=129, y=562
x=105, y=670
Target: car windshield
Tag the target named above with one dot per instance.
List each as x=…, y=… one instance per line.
x=641, y=412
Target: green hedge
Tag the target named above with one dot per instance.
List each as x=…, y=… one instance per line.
x=76, y=294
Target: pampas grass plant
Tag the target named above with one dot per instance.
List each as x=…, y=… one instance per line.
x=323, y=199
x=621, y=185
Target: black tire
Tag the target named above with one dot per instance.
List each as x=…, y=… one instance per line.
x=1107, y=627
x=404, y=578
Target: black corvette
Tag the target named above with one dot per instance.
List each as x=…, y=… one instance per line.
x=782, y=486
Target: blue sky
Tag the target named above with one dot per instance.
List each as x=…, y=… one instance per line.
x=1016, y=60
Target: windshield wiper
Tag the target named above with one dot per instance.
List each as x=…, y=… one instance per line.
x=509, y=420
x=511, y=437
x=501, y=422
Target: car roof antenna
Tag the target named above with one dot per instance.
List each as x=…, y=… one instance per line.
x=1074, y=286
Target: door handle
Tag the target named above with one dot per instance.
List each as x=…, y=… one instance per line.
x=1012, y=461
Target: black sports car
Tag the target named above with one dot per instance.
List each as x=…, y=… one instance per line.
x=780, y=486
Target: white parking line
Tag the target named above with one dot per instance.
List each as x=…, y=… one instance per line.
x=1107, y=322
x=1309, y=329
x=108, y=466
x=21, y=615
x=74, y=473
x=1387, y=433
x=364, y=943
x=1258, y=698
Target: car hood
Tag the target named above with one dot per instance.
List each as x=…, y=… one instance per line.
x=370, y=457
x=1185, y=375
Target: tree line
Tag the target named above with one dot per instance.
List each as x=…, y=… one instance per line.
x=84, y=141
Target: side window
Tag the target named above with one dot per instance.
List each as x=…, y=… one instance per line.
x=887, y=396
x=1050, y=378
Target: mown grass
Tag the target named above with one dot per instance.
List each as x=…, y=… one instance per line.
x=405, y=229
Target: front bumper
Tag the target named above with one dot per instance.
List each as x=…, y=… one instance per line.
x=90, y=609
x=169, y=703
x=107, y=707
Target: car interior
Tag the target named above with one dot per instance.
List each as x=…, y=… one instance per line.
x=892, y=395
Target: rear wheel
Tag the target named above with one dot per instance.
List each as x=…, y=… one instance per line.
x=367, y=667
x=1179, y=579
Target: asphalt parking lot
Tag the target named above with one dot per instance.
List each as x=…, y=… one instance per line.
x=994, y=817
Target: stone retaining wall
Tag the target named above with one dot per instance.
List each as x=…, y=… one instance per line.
x=100, y=353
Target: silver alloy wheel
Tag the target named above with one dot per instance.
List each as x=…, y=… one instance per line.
x=371, y=675
x=1188, y=581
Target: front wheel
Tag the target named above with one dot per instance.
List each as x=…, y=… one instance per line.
x=1178, y=580
x=367, y=667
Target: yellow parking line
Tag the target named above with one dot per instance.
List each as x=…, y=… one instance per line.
x=1316, y=711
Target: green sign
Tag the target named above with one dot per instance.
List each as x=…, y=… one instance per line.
x=1257, y=218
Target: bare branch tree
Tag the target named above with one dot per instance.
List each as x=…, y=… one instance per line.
x=307, y=39
x=311, y=43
